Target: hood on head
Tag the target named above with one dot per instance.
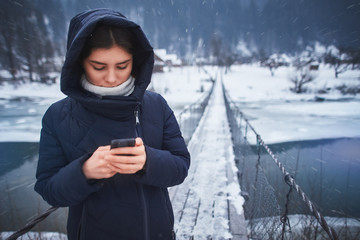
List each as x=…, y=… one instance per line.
x=81, y=26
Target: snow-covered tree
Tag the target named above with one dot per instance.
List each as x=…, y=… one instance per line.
x=275, y=61
x=338, y=59
x=302, y=74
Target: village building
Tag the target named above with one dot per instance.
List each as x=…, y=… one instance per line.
x=163, y=59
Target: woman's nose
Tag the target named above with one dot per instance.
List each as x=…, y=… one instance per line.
x=111, y=77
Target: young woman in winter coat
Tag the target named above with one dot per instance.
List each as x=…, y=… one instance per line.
x=116, y=193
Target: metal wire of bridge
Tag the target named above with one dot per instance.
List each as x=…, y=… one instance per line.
x=268, y=191
x=32, y=224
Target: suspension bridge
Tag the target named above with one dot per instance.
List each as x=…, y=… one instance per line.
x=228, y=194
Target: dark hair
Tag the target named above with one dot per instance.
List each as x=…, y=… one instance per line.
x=105, y=36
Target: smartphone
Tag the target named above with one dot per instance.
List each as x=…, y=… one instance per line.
x=125, y=142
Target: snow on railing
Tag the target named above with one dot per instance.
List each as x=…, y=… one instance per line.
x=190, y=117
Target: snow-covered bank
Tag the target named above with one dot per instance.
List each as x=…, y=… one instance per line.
x=36, y=235
x=182, y=86
x=306, y=227
x=280, y=115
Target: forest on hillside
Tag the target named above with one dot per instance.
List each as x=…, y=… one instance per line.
x=33, y=32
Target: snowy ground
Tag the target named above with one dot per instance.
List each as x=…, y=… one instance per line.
x=183, y=86
x=277, y=114
x=280, y=115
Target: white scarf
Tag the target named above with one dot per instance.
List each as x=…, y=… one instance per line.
x=124, y=89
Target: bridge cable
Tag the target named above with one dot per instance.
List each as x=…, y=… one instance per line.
x=32, y=224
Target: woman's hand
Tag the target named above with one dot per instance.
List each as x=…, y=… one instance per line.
x=127, y=160
x=106, y=162
x=96, y=167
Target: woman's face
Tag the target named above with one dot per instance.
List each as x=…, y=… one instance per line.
x=108, y=67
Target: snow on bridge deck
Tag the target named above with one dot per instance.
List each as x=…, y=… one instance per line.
x=208, y=204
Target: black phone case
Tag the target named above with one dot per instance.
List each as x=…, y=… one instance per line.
x=125, y=142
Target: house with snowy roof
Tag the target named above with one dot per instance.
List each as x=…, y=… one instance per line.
x=162, y=59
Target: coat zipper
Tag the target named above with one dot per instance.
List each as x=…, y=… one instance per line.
x=137, y=118
x=142, y=194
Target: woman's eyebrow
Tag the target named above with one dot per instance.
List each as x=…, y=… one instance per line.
x=96, y=62
x=124, y=61
x=100, y=63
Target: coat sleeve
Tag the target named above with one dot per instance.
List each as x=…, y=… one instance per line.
x=59, y=181
x=168, y=166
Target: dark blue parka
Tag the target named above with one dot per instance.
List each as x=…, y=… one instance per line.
x=135, y=206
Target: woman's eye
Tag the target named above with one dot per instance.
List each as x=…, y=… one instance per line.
x=98, y=69
x=121, y=68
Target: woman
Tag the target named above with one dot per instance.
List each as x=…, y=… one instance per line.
x=116, y=193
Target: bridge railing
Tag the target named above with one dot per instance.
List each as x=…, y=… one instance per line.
x=272, y=209
x=190, y=117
